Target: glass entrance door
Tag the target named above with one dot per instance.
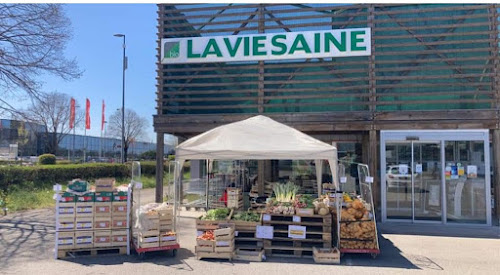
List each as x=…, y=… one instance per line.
x=413, y=181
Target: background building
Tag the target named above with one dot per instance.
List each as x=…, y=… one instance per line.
x=30, y=142
x=422, y=108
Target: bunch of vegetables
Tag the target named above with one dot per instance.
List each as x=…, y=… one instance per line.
x=207, y=236
x=285, y=192
x=216, y=214
x=246, y=216
x=304, y=201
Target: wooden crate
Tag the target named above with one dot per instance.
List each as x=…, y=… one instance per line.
x=166, y=225
x=166, y=214
x=119, y=237
x=102, y=209
x=65, y=224
x=84, y=209
x=250, y=256
x=102, y=223
x=102, y=238
x=118, y=222
x=148, y=242
x=202, y=225
x=66, y=240
x=171, y=238
x=326, y=255
x=304, y=211
x=84, y=223
x=84, y=239
x=104, y=185
x=224, y=248
x=119, y=208
x=66, y=210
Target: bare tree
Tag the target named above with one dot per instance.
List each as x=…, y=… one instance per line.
x=52, y=111
x=32, y=41
x=135, y=127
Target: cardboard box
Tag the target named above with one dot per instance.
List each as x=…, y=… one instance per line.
x=103, y=196
x=65, y=224
x=104, y=185
x=67, y=198
x=119, y=222
x=84, y=239
x=66, y=210
x=102, y=238
x=84, y=223
x=84, y=209
x=102, y=223
x=79, y=185
x=119, y=208
x=66, y=240
x=119, y=237
x=102, y=209
x=87, y=197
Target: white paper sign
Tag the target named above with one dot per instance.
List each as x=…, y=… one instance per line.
x=343, y=179
x=418, y=168
x=264, y=232
x=296, y=219
x=296, y=232
x=403, y=169
x=472, y=171
x=266, y=217
x=369, y=179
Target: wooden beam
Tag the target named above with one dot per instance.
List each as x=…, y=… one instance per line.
x=160, y=148
x=260, y=89
x=373, y=166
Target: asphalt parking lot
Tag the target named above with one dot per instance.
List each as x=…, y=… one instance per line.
x=27, y=243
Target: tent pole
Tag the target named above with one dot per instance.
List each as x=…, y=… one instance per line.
x=207, y=183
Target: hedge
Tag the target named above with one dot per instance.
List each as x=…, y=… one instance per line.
x=45, y=174
x=50, y=174
x=47, y=159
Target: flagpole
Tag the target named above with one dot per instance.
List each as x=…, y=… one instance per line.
x=85, y=145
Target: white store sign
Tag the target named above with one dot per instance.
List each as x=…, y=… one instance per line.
x=272, y=46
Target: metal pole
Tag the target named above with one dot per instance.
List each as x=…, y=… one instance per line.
x=123, y=104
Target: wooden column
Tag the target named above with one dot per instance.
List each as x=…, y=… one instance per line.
x=496, y=170
x=261, y=175
x=372, y=164
x=160, y=148
x=261, y=172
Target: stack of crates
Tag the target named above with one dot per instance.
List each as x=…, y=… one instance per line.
x=167, y=231
x=84, y=221
x=119, y=219
x=234, y=198
x=65, y=226
x=92, y=219
x=151, y=237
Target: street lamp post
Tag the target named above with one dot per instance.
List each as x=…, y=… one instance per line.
x=123, y=98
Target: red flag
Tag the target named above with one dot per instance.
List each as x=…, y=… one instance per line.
x=72, y=114
x=87, y=115
x=103, y=119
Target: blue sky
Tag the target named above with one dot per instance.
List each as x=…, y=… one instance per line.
x=99, y=54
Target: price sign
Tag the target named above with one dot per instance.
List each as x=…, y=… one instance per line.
x=296, y=219
x=343, y=179
x=266, y=217
x=296, y=232
x=369, y=179
x=264, y=232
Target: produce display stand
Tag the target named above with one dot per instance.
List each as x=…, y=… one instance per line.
x=245, y=236
x=158, y=244
x=78, y=222
x=318, y=233
x=267, y=140
x=371, y=243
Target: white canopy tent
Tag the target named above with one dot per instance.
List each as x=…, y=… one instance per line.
x=257, y=138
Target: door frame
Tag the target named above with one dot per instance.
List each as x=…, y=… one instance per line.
x=433, y=136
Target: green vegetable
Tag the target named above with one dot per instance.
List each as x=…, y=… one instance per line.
x=285, y=192
x=246, y=216
x=216, y=214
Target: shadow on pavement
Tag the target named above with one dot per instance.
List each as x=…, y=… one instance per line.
x=440, y=230
x=158, y=258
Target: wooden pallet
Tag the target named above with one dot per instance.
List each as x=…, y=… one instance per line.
x=63, y=253
x=250, y=256
x=214, y=255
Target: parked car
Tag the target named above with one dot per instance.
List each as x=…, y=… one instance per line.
x=395, y=179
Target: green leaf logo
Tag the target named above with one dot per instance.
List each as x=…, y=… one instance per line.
x=171, y=50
